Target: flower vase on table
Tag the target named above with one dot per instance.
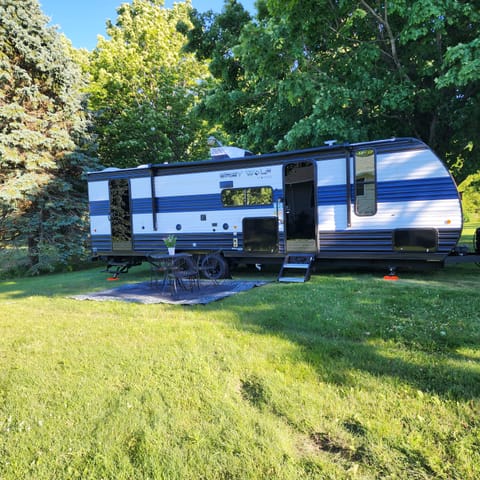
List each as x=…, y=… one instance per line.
x=170, y=243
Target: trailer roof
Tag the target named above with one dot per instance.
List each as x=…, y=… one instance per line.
x=383, y=145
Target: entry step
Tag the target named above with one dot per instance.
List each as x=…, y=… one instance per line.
x=296, y=268
x=298, y=265
x=292, y=279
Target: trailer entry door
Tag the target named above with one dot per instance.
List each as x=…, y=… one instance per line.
x=120, y=214
x=300, y=209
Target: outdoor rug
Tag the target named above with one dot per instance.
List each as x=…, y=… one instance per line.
x=145, y=292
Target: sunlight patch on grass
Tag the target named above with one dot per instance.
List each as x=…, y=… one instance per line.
x=346, y=376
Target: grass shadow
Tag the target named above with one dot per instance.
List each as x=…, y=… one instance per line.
x=63, y=284
x=409, y=331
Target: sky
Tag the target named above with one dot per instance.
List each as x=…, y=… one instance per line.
x=82, y=20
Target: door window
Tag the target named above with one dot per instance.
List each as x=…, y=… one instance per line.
x=365, y=183
x=120, y=218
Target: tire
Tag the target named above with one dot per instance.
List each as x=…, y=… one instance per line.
x=213, y=266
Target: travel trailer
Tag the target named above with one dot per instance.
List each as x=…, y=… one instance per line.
x=391, y=201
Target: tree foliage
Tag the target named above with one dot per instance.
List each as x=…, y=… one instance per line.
x=470, y=190
x=299, y=73
x=42, y=139
x=143, y=87
x=314, y=70
x=226, y=100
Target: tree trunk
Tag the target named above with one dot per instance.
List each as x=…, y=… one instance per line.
x=33, y=257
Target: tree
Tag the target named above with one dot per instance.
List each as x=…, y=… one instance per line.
x=470, y=190
x=212, y=39
x=43, y=141
x=314, y=70
x=143, y=88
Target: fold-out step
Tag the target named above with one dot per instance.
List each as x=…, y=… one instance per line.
x=296, y=268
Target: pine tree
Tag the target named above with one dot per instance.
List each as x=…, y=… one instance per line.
x=42, y=139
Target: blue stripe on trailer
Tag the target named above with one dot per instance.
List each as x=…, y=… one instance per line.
x=185, y=241
x=423, y=189
x=101, y=243
x=332, y=195
x=143, y=243
x=193, y=241
x=376, y=241
x=100, y=207
x=447, y=239
x=439, y=188
x=190, y=203
x=142, y=205
x=356, y=241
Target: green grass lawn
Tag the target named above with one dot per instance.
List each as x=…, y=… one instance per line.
x=347, y=376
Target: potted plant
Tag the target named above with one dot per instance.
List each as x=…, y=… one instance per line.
x=170, y=243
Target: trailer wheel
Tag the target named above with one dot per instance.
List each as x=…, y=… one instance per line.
x=214, y=266
x=476, y=243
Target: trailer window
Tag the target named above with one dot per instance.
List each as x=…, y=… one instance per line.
x=259, y=196
x=241, y=197
x=365, y=183
x=233, y=197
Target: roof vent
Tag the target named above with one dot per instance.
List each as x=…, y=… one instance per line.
x=220, y=152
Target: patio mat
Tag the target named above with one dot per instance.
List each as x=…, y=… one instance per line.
x=145, y=292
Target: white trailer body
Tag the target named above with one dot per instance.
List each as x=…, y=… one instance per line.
x=390, y=200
